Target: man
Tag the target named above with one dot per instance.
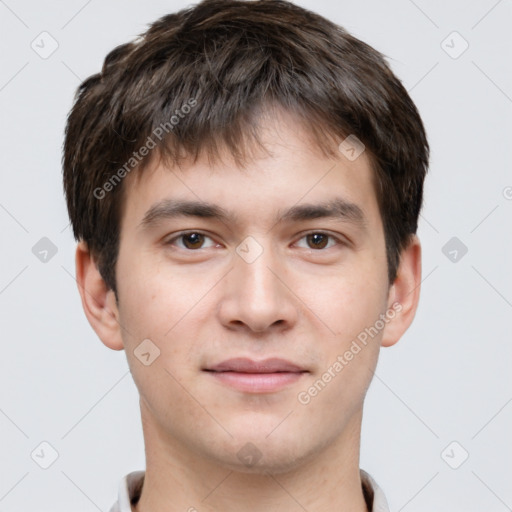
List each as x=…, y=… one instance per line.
x=244, y=181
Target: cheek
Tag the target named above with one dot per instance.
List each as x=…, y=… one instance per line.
x=345, y=303
x=152, y=300
x=345, y=310
x=169, y=308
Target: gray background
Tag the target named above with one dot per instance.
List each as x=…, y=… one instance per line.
x=447, y=380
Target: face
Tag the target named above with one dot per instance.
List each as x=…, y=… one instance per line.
x=253, y=305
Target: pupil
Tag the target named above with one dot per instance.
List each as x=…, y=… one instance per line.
x=193, y=239
x=318, y=237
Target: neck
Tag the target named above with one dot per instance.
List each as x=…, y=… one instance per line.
x=177, y=479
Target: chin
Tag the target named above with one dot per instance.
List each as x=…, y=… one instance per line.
x=262, y=456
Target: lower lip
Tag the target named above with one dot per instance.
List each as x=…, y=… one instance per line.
x=257, y=382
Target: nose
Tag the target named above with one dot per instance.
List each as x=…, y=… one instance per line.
x=256, y=295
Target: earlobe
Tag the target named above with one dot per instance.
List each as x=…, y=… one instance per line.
x=404, y=293
x=98, y=300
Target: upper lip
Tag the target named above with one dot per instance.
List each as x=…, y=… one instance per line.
x=246, y=365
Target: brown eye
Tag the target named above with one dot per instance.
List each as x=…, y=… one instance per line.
x=193, y=240
x=317, y=240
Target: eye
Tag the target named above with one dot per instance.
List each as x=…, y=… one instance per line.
x=191, y=241
x=320, y=240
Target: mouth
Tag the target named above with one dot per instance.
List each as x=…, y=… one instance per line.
x=247, y=375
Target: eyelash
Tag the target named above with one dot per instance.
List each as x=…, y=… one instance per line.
x=185, y=233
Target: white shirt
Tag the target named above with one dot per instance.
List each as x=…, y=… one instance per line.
x=131, y=485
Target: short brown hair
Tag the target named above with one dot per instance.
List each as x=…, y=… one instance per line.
x=229, y=59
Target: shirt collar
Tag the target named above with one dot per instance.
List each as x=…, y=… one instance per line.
x=131, y=485
x=373, y=494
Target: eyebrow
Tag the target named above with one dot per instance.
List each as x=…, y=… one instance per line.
x=336, y=208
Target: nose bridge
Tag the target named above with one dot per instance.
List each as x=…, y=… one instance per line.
x=255, y=258
x=256, y=296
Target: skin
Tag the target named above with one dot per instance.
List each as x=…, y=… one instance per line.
x=294, y=301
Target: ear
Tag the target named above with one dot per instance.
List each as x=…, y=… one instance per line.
x=98, y=301
x=404, y=294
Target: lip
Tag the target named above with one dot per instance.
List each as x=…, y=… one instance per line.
x=246, y=365
x=265, y=376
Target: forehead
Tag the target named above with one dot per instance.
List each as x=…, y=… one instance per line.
x=288, y=169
